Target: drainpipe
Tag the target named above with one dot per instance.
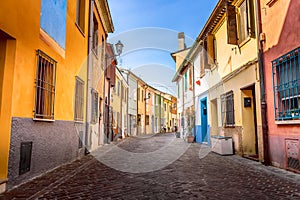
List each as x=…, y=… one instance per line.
x=121, y=106
x=145, y=99
x=89, y=76
x=194, y=101
x=127, y=109
x=183, y=112
x=263, y=102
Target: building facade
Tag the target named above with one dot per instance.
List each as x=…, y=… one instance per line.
x=56, y=116
x=280, y=41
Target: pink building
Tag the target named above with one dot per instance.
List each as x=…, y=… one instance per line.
x=280, y=40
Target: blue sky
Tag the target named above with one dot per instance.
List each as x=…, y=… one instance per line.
x=148, y=29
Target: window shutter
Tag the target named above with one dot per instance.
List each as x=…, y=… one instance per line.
x=191, y=78
x=251, y=18
x=202, y=62
x=231, y=25
x=210, y=49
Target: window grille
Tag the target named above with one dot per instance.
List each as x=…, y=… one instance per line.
x=45, y=87
x=94, y=106
x=79, y=100
x=286, y=86
x=227, y=106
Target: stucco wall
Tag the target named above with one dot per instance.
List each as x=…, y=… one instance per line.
x=281, y=22
x=53, y=143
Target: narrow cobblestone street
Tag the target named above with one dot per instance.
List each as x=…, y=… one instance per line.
x=197, y=174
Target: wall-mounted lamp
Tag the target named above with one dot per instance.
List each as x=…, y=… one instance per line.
x=149, y=96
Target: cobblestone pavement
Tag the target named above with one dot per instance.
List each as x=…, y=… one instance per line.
x=197, y=174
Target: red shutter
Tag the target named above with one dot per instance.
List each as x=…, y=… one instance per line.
x=231, y=25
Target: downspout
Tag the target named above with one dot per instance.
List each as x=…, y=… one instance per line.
x=262, y=87
x=194, y=101
x=182, y=115
x=145, y=109
x=160, y=112
x=121, y=107
x=137, y=107
x=127, y=109
x=89, y=76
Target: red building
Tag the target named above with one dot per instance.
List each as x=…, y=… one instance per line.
x=280, y=42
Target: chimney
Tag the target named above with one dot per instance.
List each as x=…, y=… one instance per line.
x=181, y=42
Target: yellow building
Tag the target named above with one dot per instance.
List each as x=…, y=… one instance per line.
x=229, y=63
x=43, y=84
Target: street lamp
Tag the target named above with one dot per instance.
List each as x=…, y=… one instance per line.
x=119, y=47
x=149, y=96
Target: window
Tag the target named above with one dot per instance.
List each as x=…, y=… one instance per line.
x=138, y=94
x=165, y=106
x=95, y=36
x=79, y=99
x=240, y=24
x=185, y=81
x=94, y=106
x=80, y=14
x=245, y=21
x=147, y=120
x=227, y=106
x=191, y=78
x=118, y=92
x=142, y=95
x=286, y=82
x=45, y=87
x=102, y=51
x=139, y=120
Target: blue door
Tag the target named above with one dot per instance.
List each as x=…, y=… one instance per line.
x=204, y=120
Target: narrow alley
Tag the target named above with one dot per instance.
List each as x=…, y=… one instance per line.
x=197, y=174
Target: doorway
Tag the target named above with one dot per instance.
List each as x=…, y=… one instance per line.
x=204, y=120
x=249, y=122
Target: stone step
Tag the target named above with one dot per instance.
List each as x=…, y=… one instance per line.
x=2, y=185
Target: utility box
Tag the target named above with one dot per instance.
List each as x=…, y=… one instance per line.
x=222, y=145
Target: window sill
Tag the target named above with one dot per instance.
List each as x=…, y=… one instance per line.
x=245, y=41
x=287, y=122
x=80, y=30
x=43, y=120
x=229, y=126
x=79, y=122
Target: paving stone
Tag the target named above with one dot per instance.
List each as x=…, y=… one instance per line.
x=195, y=175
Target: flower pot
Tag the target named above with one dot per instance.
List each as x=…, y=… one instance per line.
x=190, y=139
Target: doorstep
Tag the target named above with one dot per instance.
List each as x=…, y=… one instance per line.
x=2, y=185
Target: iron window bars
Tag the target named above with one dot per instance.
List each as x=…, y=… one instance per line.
x=286, y=86
x=45, y=87
x=227, y=106
x=79, y=100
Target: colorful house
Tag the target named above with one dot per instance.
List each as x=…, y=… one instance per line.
x=101, y=25
x=200, y=87
x=109, y=83
x=150, y=110
x=43, y=86
x=229, y=58
x=184, y=82
x=119, y=106
x=280, y=42
x=132, y=81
